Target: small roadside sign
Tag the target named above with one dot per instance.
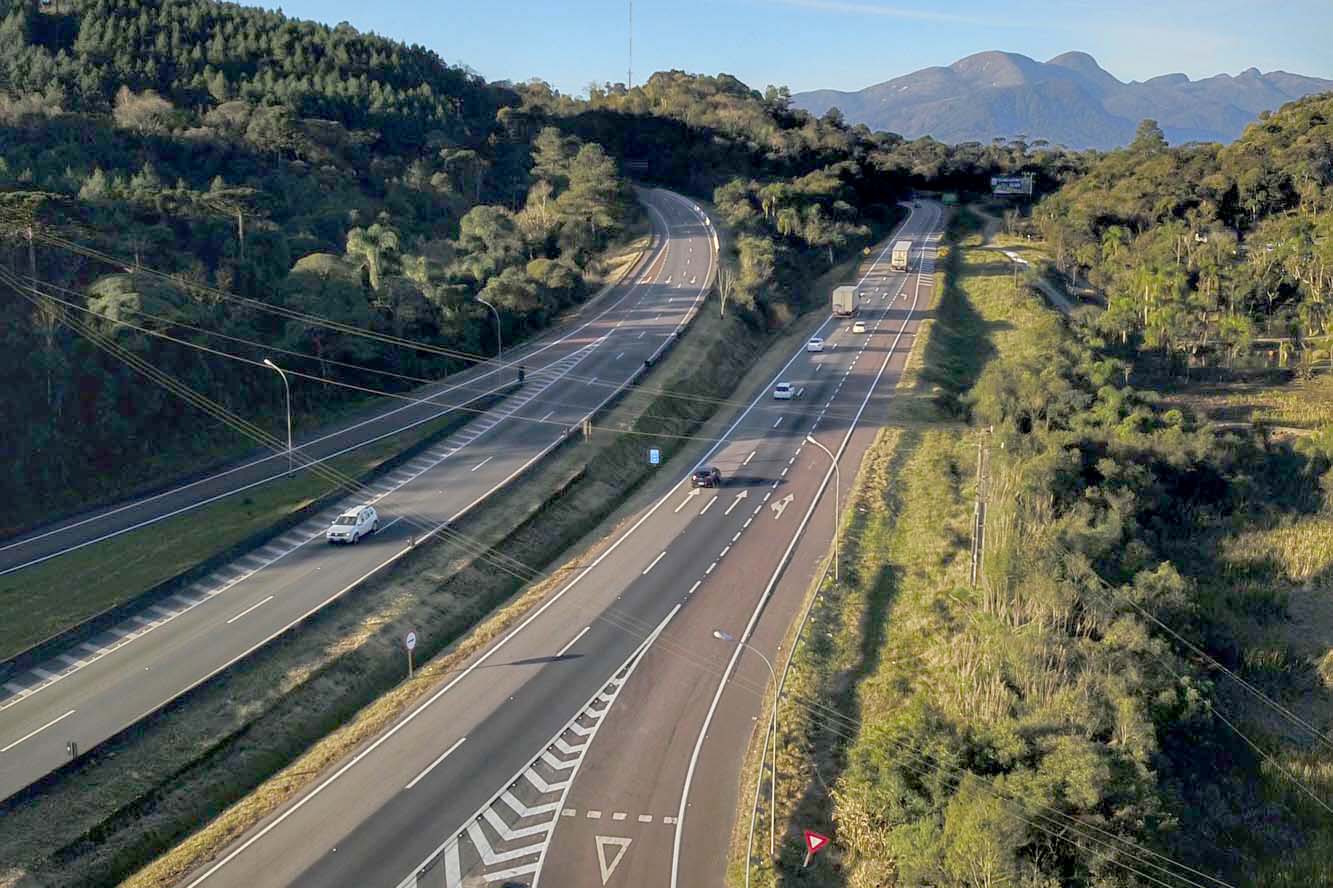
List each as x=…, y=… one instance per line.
x=654, y=456
x=410, y=643
x=814, y=843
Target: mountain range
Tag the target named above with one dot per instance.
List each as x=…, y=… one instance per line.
x=1069, y=100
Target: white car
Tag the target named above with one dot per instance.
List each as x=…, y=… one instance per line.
x=859, y=327
x=352, y=525
x=784, y=391
x=815, y=345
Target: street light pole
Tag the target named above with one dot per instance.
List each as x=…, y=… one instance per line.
x=499, y=347
x=773, y=726
x=288, y=389
x=837, y=508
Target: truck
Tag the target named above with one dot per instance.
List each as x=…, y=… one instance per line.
x=901, y=252
x=845, y=300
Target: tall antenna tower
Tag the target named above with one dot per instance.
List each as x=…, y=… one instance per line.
x=629, y=75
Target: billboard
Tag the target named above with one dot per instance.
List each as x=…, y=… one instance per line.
x=1001, y=185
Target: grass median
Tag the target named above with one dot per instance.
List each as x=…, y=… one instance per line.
x=40, y=601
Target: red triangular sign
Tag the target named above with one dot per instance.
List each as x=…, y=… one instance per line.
x=814, y=842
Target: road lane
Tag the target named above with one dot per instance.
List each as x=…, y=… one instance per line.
x=153, y=657
x=511, y=712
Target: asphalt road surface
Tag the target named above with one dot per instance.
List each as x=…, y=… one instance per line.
x=599, y=741
x=102, y=686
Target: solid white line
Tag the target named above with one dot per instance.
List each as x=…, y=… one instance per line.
x=482, y=463
x=654, y=564
x=38, y=731
x=248, y=609
x=444, y=755
x=763, y=599
x=561, y=652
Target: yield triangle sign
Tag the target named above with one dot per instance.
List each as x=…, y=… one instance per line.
x=619, y=844
x=814, y=843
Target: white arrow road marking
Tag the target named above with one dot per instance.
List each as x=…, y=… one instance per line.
x=621, y=845
x=737, y=501
x=685, y=502
x=781, y=505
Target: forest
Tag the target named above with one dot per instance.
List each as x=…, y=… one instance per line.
x=1209, y=255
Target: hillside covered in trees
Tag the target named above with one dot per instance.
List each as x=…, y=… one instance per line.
x=1202, y=250
x=309, y=168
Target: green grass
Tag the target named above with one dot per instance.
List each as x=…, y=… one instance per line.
x=40, y=601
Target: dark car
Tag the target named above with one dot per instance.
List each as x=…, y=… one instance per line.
x=708, y=476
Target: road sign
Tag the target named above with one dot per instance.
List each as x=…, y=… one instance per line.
x=814, y=843
x=620, y=844
x=410, y=642
x=654, y=456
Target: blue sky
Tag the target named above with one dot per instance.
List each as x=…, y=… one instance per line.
x=841, y=44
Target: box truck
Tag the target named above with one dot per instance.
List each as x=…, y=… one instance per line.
x=844, y=301
x=901, y=252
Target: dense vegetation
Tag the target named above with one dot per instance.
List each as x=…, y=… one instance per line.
x=1203, y=249
x=310, y=168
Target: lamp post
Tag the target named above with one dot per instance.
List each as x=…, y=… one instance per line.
x=837, y=508
x=773, y=726
x=499, y=347
x=288, y=389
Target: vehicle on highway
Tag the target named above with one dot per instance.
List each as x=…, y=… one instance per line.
x=815, y=345
x=902, y=252
x=859, y=327
x=707, y=476
x=352, y=525
x=845, y=301
x=784, y=391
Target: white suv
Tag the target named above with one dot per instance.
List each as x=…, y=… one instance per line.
x=784, y=391
x=815, y=345
x=352, y=525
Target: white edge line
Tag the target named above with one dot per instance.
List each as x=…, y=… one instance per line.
x=444, y=755
x=777, y=573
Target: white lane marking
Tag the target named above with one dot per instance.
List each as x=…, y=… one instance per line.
x=250, y=608
x=594, y=815
x=561, y=652
x=818, y=367
x=748, y=520
x=785, y=469
x=778, y=422
x=548, y=415
x=697, y=584
x=710, y=568
x=444, y=755
x=641, y=335
x=654, y=564
x=750, y=457
x=30, y=734
x=723, y=553
x=709, y=504
x=645, y=818
x=685, y=502
x=735, y=536
x=763, y=599
x=482, y=463
x=619, y=356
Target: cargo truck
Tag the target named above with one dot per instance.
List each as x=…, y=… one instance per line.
x=845, y=300
x=901, y=252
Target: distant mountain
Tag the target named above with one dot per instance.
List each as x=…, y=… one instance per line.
x=1068, y=100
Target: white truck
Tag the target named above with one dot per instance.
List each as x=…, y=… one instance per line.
x=902, y=252
x=845, y=300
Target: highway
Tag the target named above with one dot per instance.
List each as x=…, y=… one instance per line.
x=591, y=744
x=109, y=682
x=413, y=408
